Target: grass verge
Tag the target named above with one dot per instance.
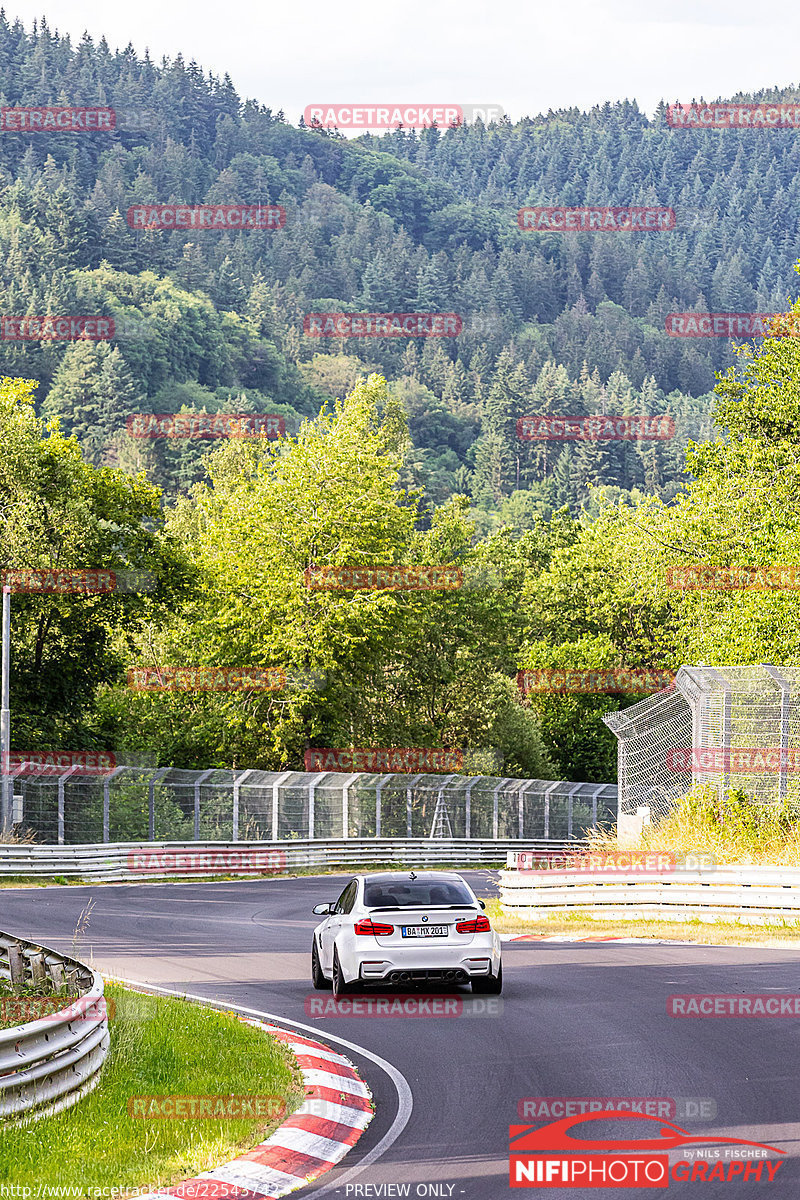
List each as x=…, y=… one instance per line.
x=159, y=1047
x=700, y=932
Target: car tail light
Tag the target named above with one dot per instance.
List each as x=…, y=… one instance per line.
x=369, y=926
x=478, y=925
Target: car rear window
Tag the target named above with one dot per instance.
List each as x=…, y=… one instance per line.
x=420, y=892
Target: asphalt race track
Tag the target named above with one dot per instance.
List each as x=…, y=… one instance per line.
x=578, y=1019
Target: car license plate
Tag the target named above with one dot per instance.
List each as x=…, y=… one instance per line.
x=424, y=930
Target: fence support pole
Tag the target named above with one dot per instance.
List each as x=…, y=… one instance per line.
x=495, y=811
x=107, y=802
x=552, y=788
x=61, y=781
x=151, y=802
x=346, y=803
x=572, y=792
x=384, y=779
x=312, y=796
x=275, y=802
x=786, y=699
x=595, y=794
x=237, y=783
x=726, y=724
x=468, y=804
x=197, y=783
x=412, y=783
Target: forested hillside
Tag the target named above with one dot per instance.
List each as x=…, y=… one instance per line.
x=408, y=222
x=213, y=321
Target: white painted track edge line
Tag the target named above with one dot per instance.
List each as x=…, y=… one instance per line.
x=405, y=1100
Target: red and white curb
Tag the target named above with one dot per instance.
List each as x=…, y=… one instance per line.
x=335, y=1113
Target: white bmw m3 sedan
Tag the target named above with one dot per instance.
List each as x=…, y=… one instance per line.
x=403, y=927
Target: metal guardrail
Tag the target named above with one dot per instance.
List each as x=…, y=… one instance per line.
x=159, y=860
x=49, y=1064
x=748, y=895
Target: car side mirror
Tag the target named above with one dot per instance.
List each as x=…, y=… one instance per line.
x=323, y=910
x=481, y=904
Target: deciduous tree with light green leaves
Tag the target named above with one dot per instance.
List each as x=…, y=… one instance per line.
x=363, y=667
x=58, y=512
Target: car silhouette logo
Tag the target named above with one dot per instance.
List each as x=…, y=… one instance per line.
x=556, y=1136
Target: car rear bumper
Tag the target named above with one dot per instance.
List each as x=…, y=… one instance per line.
x=423, y=964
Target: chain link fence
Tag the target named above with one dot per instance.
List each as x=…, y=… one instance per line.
x=725, y=726
x=135, y=804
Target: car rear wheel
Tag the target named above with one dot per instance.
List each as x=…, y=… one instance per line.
x=340, y=986
x=489, y=985
x=317, y=978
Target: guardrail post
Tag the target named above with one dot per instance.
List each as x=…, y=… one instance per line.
x=61, y=781
x=202, y=778
x=16, y=965
x=275, y=800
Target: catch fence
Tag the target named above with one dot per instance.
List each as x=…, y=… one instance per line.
x=730, y=727
x=135, y=804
